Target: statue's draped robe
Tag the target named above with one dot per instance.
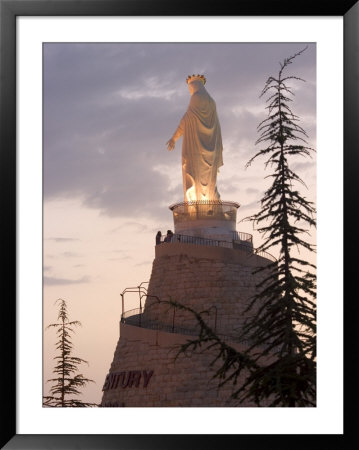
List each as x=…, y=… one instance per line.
x=201, y=147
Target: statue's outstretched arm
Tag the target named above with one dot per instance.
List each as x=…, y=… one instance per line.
x=176, y=135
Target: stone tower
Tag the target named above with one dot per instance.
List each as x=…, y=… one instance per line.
x=206, y=265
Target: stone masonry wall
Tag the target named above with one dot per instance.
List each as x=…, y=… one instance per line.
x=143, y=371
x=219, y=280
x=144, y=374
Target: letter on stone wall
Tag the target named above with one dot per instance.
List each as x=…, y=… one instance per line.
x=116, y=378
x=106, y=384
x=124, y=383
x=147, y=377
x=134, y=377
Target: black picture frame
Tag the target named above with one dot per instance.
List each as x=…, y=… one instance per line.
x=9, y=10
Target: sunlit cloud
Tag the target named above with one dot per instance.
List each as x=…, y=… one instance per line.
x=144, y=263
x=62, y=239
x=71, y=255
x=53, y=281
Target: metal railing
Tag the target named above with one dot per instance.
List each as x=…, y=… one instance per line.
x=135, y=317
x=204, y=210
x=141, y=290
x=240, y=240
x=242, y=237
x=185, y=239
x=204, y=202
x=265, y=255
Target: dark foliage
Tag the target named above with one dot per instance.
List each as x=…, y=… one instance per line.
x=284, y=324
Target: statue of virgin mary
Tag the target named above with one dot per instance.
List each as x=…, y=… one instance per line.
x=202, y=143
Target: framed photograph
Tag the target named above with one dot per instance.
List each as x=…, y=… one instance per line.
x=83, y=87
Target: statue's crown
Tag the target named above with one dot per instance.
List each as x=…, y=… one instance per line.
x=194, y=77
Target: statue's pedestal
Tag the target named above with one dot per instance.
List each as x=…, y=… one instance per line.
x=206, y=219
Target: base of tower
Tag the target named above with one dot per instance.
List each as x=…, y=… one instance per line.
x=144, y=373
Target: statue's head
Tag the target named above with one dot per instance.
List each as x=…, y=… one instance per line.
x=195, y=82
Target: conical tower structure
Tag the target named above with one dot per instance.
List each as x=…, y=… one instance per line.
x=207, y=265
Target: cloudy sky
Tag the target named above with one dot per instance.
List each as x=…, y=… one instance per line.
x=109, y=110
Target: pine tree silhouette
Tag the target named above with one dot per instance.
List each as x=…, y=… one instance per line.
x=68, y=381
